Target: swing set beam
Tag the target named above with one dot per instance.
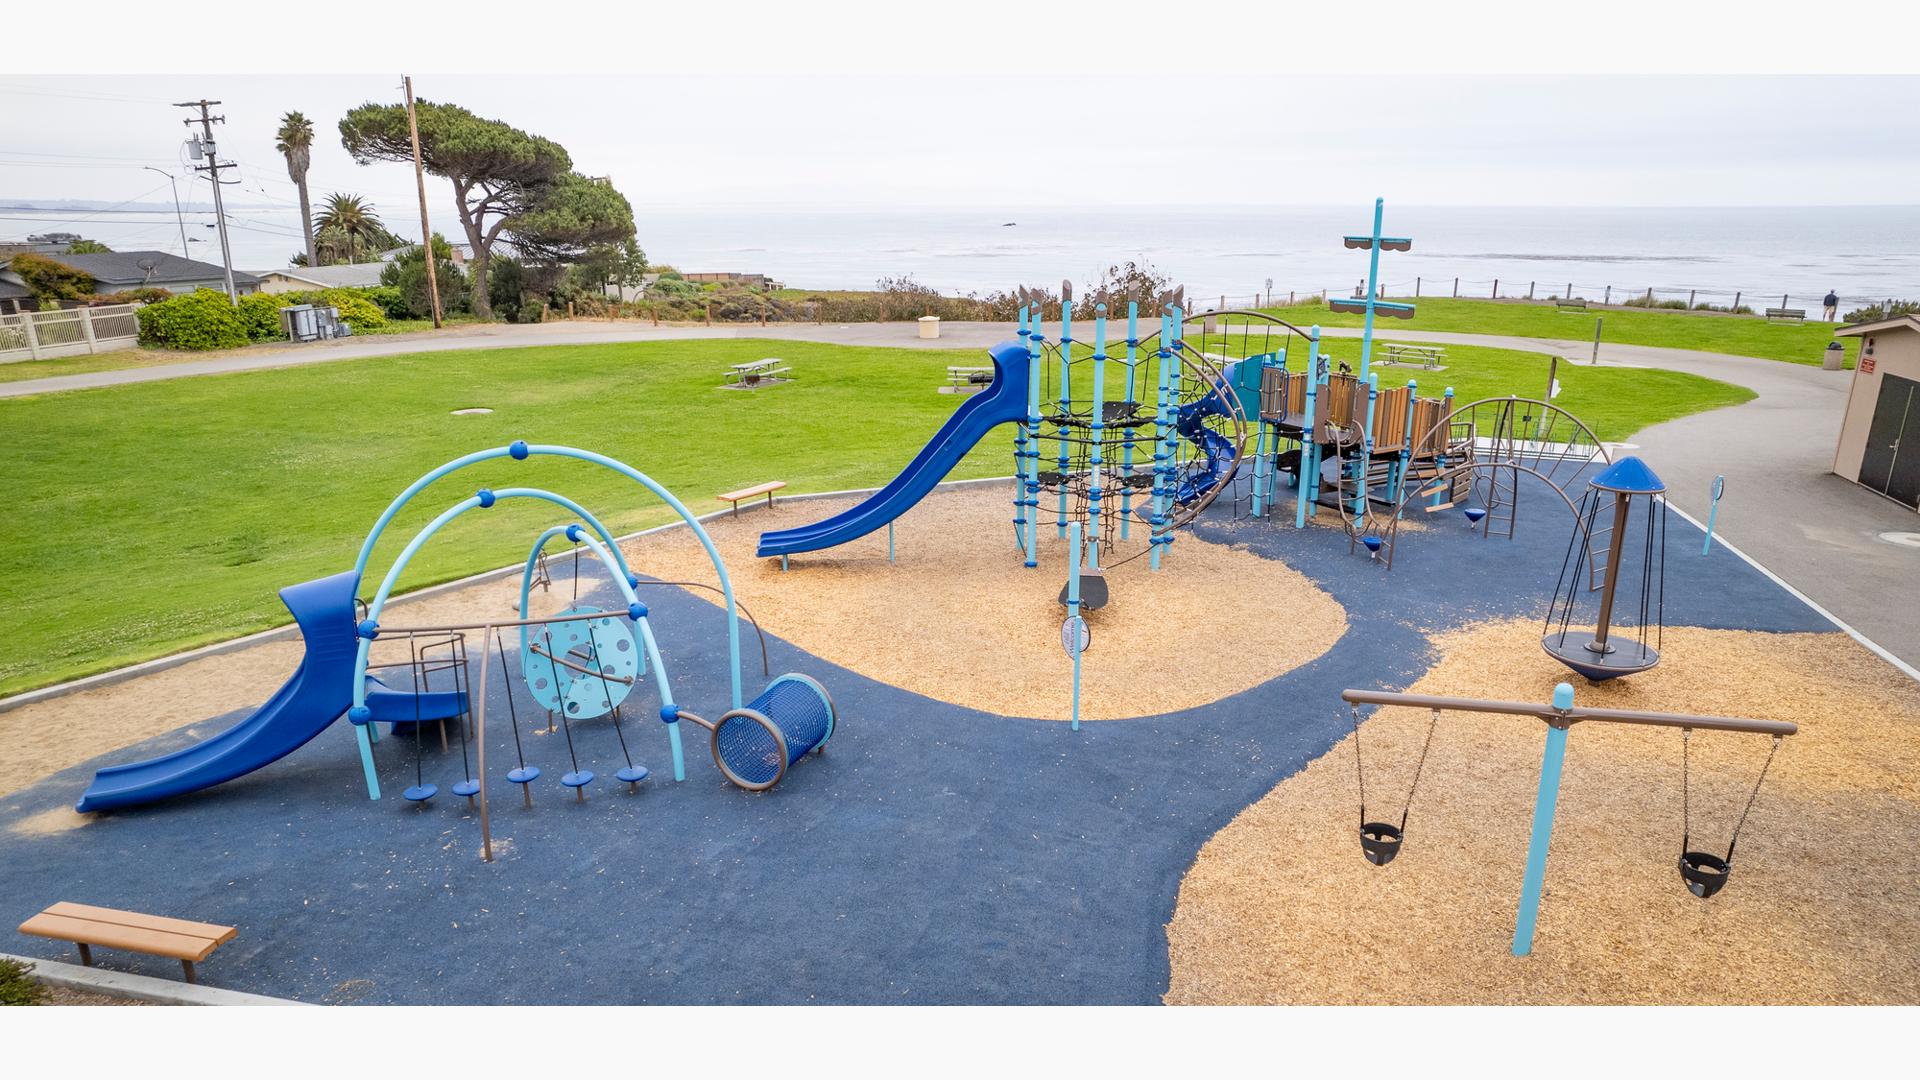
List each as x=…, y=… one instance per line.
x=1560, y=715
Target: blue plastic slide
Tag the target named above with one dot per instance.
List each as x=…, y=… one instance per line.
x=1003, y=402
x=317, y=694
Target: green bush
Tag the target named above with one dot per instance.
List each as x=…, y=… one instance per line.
x=1877, y=312
x=50, y=280
x=202, y=319
x=355, y=309
x=391, y=301
x=141, y=294
x=407, y=274
x=260, y=314
x=18, y=986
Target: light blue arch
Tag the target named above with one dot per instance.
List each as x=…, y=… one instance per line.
x=522, y=451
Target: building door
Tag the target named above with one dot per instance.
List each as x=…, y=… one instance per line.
x=1896, y=419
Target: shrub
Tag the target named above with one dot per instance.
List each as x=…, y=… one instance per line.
x=144, y=294
x=355, y=309
x=18, y=986
x=260, y=314
x=202, y=319
x=50, y=280
x=406, y=273
x=506, y=285
x=1877, y=312
x=392, y=300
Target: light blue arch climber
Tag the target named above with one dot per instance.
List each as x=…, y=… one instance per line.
x=533, y=560
x=610, y=553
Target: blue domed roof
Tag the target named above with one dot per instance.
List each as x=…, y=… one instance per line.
x=1630, y=475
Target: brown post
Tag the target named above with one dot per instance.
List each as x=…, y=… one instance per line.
x=187, y=966
x=709, y=313
x=1783, y=299
x=1691, y=293
x=1416, y=288
x=656, y=314
x=480, y=740
x=1622, y=502
x=1609, y=297
x=569, y=309
x=86, y=953
x=1736, y=301
x=420, y=181
x=1456, y=288
x=1529, y=290
x=1496, y=288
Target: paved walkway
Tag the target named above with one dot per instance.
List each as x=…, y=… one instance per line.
x=1782, y=506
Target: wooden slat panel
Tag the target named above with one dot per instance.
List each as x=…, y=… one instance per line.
x=108, y=935
x=141, y=921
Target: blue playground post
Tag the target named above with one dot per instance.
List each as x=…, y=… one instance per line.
x=1066, y=404
x=1309, y=436
x=1175, y=444
x=1160, y=446
x=1366, y=448
x=1098, y=424
x=1073, y=612
x=1406, y=446
x=1713, y=512
x=889, y=541
x=1259, y=459
x=1126, y=448
x=1022, y=434
x=1543, y=807
x=1373, y=289
x=1031, y=466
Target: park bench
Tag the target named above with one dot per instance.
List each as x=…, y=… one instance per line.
x=1570, y=304
x=1793, y=314
x=87, y=926
x=766, y=489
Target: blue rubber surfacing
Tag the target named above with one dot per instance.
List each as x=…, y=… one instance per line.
x=933, y=854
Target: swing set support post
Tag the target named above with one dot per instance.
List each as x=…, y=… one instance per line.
x=1545, y=801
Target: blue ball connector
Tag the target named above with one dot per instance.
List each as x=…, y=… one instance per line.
x=518, y=450
x=486, y=498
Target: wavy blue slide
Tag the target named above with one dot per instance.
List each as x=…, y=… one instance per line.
x=317, y=694
x=1004, y=401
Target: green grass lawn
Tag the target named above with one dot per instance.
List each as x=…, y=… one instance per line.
x=1799, y=343
x=153, y=517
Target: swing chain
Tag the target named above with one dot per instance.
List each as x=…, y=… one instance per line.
x=1359, y=770
x=1686, y=808
x=1418, y=766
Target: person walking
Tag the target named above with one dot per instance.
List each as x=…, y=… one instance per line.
x=1830, y=303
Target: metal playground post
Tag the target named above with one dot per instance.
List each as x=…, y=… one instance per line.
x=1713, y=512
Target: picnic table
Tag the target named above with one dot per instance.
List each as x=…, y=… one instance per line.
x=755, y=372
x=1427, y=356
x=967, y=380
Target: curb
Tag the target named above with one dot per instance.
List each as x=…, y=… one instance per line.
x=123, y=984
x=162, y=663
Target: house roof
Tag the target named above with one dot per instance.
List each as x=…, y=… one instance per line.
x=1903, y=322
x=10, y=290
x=357, y=275
x=128, y=269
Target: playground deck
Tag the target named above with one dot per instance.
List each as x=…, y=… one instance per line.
x=938, y=853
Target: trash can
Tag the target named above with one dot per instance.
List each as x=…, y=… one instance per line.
x=929, y=326
x=1835, y=358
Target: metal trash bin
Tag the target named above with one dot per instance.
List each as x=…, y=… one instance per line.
x=1835, y=358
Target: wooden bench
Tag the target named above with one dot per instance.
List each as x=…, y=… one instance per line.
x=87, y=926
x=1793, y=313
x=1570, y=304
x=766, y=489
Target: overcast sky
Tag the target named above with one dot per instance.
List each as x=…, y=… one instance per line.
x=951, y=141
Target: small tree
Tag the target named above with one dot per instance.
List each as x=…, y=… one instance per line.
x=51, y=281
x=407, y=271
x=88, y=247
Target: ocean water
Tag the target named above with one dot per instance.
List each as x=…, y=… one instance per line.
x=1864, y=253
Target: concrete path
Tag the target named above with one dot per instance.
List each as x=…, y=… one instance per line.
x=1782, y=506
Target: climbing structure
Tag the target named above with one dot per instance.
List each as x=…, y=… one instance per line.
x=1130, y=444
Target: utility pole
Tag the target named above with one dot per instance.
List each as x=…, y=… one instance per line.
x=178, y=217
x=212, y=169
x=420, y=181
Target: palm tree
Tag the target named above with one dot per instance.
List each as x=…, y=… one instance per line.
x=295, y=140
x=351, y=218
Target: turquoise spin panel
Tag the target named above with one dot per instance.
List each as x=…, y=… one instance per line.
x=603, y=645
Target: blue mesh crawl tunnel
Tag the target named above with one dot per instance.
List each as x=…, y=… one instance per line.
x=754, y=745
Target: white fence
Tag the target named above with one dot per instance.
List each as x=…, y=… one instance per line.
x=38, y=335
